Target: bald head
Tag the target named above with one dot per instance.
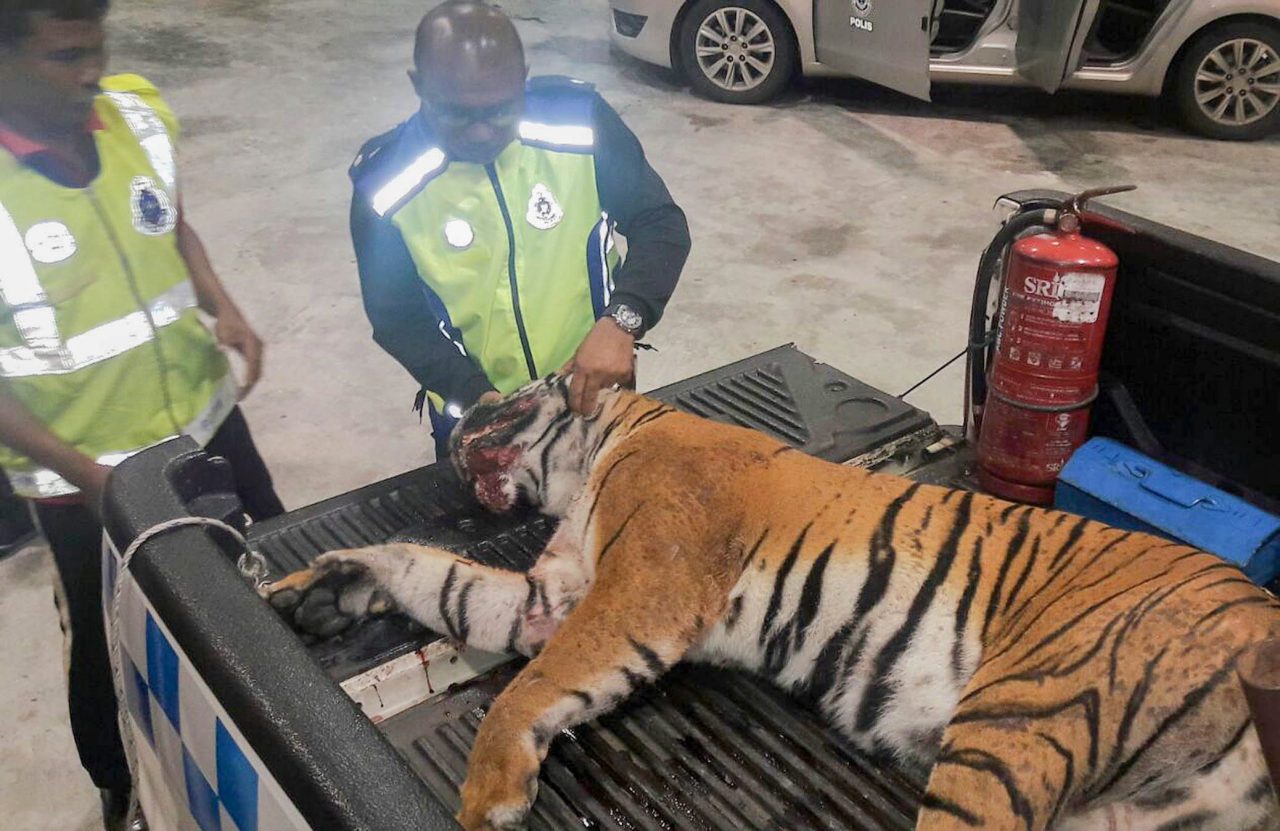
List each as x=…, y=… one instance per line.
x=467, y=45
x=469, y=72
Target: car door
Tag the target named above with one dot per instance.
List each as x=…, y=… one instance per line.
x=1051, y=35
x=884, y=41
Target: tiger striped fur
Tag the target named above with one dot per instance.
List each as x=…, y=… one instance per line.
x=1053, y=672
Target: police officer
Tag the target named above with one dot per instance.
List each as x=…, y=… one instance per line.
x=483, y=225
x=101, y=350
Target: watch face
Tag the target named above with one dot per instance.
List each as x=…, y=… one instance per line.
x=628, y=318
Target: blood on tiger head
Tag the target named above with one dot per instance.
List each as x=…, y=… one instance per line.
x=489, y=444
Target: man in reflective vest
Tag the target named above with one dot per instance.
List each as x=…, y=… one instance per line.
x=102, y=353
x=483, y=225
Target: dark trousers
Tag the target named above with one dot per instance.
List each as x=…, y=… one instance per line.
x=16, y=525
x=75, y=537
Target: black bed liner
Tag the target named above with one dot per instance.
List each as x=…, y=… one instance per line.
x=704, y=749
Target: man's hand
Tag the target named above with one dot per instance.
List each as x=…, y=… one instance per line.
x=230, y=327
x=22, y=431
x=92, y=482
x=234, y=332
x=490, y=397
x=606, y=357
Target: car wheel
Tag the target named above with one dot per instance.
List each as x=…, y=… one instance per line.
x=736, y=51
x=1227, y=84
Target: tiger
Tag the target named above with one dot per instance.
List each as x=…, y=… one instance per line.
x=1044, y=670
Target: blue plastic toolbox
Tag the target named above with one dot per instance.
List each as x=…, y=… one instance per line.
x=1115, y=484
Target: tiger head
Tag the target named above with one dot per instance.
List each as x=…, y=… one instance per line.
x=528, y=448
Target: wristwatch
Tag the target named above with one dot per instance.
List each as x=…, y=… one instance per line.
x=627, y=318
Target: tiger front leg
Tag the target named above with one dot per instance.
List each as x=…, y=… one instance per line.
x=629, y=630
x=486, y=608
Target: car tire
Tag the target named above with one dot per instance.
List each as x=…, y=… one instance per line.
x=1204, y=89
x=749, y=71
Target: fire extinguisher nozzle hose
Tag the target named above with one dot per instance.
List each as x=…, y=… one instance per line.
x=1037, y=214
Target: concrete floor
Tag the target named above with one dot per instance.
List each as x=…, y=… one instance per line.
x=844, y=218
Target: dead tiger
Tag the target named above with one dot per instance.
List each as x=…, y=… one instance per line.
x=1055, y=673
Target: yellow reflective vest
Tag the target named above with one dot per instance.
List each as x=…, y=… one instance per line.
x=100, y=337
x=517, y=255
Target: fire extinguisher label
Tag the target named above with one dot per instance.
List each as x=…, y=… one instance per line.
x=1079, y=298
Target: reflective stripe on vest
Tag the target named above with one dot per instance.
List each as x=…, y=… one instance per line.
x=45, y=352
x=22, y=292
x=43, y=483
x=101, y=342
x=150, y=131
x=564, y=135
x=553, y=136
x=406, y=180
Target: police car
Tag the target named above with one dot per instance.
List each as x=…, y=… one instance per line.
x=1216, y=61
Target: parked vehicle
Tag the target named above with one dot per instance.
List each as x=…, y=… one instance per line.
x=1217, y=62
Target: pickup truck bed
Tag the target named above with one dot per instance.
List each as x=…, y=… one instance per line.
x=702, y=749
x=1188, y=377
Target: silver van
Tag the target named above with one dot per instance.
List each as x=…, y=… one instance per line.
x=1217, y=61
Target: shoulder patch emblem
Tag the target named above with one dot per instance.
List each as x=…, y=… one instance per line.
x=544, y=212
x=153, y=211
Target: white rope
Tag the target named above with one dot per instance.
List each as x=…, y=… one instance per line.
x=251, y=565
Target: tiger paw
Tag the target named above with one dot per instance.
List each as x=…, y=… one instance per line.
x=329, y=597
x=501, y=784
x=508, y=816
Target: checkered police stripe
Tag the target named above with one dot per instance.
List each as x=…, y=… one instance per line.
x=195, y=768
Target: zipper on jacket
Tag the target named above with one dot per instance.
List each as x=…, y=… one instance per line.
x=492, y=170
x=132, y=281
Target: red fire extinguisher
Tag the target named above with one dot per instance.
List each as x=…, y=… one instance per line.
x=1043, y=373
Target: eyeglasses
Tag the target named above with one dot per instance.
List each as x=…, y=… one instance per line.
x=500, y=116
